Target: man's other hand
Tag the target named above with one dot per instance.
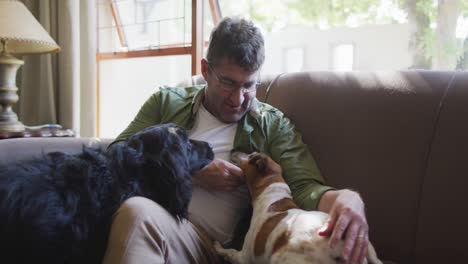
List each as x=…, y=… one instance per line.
x=219, y=175
x=347, y=222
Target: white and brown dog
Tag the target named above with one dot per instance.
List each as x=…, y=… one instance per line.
x=279, y=231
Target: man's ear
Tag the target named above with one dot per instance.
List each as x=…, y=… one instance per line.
x=204, y=68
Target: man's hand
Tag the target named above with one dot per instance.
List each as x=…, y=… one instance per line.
x=219, y=175
x=347, y=222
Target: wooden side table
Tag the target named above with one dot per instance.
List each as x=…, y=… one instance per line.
x=44, y=132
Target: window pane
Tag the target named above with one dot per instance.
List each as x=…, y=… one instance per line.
x=294, y=59
x=342, y=57
x=144, y=24
x=127, y=83
x=168, y=27
x=207, y=20
x=386, y=34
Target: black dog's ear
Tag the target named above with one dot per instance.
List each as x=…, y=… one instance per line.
x=126, y=156
x=182, y=186
x=168, y=182
x=55, y=157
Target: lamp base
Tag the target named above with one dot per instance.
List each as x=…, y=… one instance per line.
x=9, y=65
x=7, y=126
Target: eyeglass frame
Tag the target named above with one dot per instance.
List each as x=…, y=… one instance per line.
x=230, y=86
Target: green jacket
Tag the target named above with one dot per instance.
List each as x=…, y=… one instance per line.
x=263, y=129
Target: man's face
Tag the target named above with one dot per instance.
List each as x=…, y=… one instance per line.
x=230, y=90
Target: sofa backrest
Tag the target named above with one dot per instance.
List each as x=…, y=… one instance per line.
x=400, y=140
x=17, y=149
x=443, y=213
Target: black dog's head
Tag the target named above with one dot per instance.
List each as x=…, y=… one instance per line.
x=158, y=163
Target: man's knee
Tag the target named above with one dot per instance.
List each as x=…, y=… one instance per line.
x=143, y=230
x=135, y=233
x=137, y=209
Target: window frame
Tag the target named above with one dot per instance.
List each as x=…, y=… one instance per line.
x=195, y=48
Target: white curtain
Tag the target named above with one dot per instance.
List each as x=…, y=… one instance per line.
x=61, y=88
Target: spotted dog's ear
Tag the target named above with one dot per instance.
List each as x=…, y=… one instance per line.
x=253, y=157
x=259, y=161
x=261, y=164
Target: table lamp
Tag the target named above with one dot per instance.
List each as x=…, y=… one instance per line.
x=20, y=33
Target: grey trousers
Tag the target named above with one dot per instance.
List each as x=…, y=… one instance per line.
x=144, y=232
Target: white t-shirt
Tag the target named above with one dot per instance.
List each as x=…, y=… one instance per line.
x=216, y=212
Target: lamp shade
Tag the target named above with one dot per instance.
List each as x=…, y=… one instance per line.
x=21, y=32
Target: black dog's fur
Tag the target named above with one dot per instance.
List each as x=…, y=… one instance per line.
x=58, y=208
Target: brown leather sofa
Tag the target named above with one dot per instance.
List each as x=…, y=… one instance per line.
x=399, y=138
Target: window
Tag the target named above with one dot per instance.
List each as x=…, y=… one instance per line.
x=130, y=83
x=342, y=57
x=382, y=34
x=143, y=44
x=293, y=59
x=131, y=25
x=147, y=43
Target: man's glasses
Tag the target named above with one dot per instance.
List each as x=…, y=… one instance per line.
x=230, y=86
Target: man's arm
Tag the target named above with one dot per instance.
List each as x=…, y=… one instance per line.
x=346, y=208
x=300, y=170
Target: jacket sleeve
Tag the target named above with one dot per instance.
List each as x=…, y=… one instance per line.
x=148, y=115
x=300, y=170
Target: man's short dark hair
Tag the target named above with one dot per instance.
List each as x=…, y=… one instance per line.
x=238, y=40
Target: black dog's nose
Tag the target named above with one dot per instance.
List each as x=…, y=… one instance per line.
x=204, y=147
x=210, y=149
x=202, y=144
x=211, y=153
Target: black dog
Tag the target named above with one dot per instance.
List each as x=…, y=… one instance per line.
x=58, y=209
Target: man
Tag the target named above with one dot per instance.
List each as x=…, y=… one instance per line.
x=226, y=113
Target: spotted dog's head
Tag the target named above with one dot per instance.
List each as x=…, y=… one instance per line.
x=259, y=169
x=160, y=161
